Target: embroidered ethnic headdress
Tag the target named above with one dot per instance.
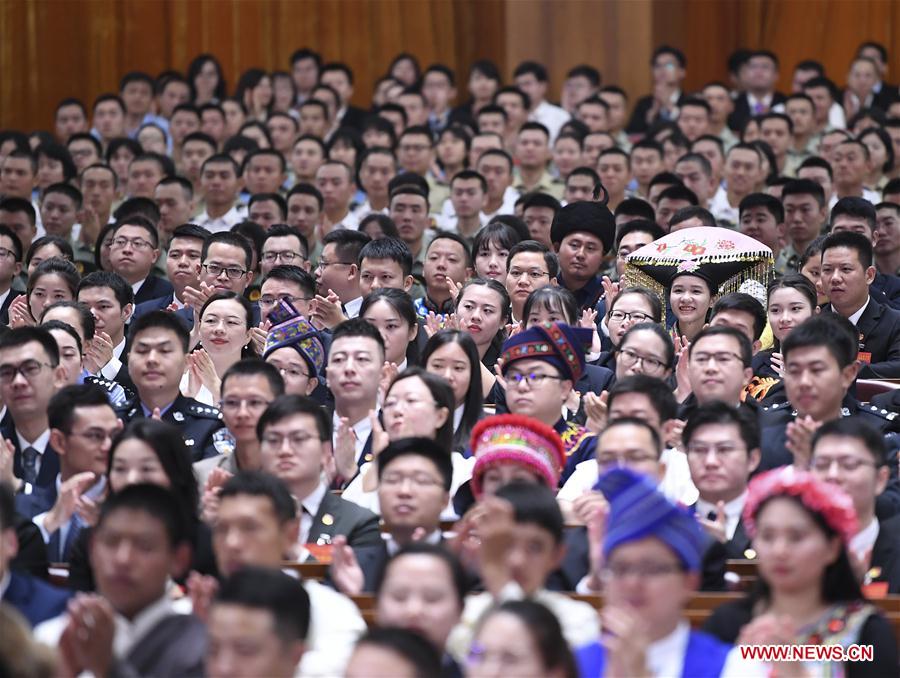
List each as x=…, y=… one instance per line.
x=514, y=439
x=292, y=330
x=556, y=343
x=824, y=499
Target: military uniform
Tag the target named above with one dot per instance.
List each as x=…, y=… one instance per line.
x=194, y=420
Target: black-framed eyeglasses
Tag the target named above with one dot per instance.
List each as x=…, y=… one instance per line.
x=231, y=271
x=28, y=369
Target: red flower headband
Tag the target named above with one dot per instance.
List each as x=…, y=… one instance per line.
x=828, y=501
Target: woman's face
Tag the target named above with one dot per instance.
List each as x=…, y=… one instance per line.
x=418, y=594
x=409, y=410
x=50, y=171
x=451, y=150
x=395, y=331
x=283, y=94
x=120, y=161
x=689, y=299
x=152, y=141
x=498, y=476
x=788, y=307
x=133, y=462
x=812, y=269
x=481, y=87
x=48, y=251
x=491, y=262
x=480, y=313
x=223, y=327
x=451, y=363
x=370, y=660
x=629, y=309
x=404, y=71
x=234, y=117
x=69, y=355
x=48, y=290
x=643, y=352
x=566, y=156
x=504, y=646
x=540, y=314
x=294, y=370
x=261, y=95
x=372, y=229
x=792, y=551
x=877, y=152
x=206, y=81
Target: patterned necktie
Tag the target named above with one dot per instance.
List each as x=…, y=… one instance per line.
x=29, y=465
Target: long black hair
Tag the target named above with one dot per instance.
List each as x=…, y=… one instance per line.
x=403, y=304
x=472, y=407
x=443, y=397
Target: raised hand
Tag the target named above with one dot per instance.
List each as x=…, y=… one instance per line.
x=258, y=336
x=345, y=570
x=20, y=313
x=626, y=642
x=799, y=439
x=67, y=500
x=715, y=528
x=206, y=371
x=99, y=353
x=87, y=641
x=7, y=456
x=682, y=378
x=326, y=311
x=610, y=290
x=201, y=589
x=496, y=527
x=389, y=372
x=777, y=362
x=597, y=410
x=593, y=509
x=345, y=449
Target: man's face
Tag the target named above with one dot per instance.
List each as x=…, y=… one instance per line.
x=618, y=109
x=264, y=174
x=666, y=208
x=290, y=449
x=212, y=122
x=99, y=189
x=690, y=172
x=265, y=213
x=542, y=399
x=761, y=74
x=244, y=641
x=614, y=172
x=220, y=183
x=84, y=153
x=306, y=158
x=716, y=369
x=498, y=174
x=576, y=90
x=411, y=494
x=539, y=220
x=814, y=382
x=143, y=175
x=222, y=257
x=248, y=532
x=741, y=321
x=376, y=173
x=820, y=176
x=305, y=74
x=414, y=107
x=742, y=170
x=829, y=143
x=58, y=214
x=775, y=132
x=438, y=91
x=109, y=120
x=340, y=83
x=862, y=78
x=303, y=213
x=28, y=397
x=493, y=123
x=354, y=369
x=594, y=116
x=631, y=447
x=156, y=361
x=467, y=197
x=282, y=130
x=175, y=208
x=846, y=462
x=803, y=217
x=534, y=88
x=70, y=120
x=17, y=178
x=182, y=124
x=580, y=256
x=480, y=144
x=845, y=280
x=628, y=244
x=693, y=121
x=314, y=121
x=193, y=155
x=887, y=232
x=645, y=164
x=822, y=101
x=281, y=250
x=375, y=274
x=9, y=267
x=174, y=94
x=711, y=151
x=720, y=462
x=445, y=266
x=410, y=213
x=244, y=398
x=336, y=187
x=515, y=109
x=760, y=224
x=802, y=114
x=532, y=556
x=333, y=273
x=132, y=253
x=667, y=70
x=852, y=224
x=109, y=316
x=21, y=225
x=579, y=187
x=850, y=165
x=414, y=153
x=137, y=97
x=183, y=262
x=527, y=272
x=298, y=380
x=134, y=560
x=719, y=100
x=86, y=445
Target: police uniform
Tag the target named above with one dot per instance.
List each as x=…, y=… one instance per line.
x=775, y=418
x=194, y=420
x=118, y=395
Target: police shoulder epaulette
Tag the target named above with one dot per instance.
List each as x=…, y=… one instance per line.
x=880, y=412
x=204, y=411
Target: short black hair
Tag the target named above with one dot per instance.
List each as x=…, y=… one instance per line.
x=740, y=301
x=108, y=97
x=468, y=174
x=293, y=274
x=657, y=391
x=14, y=237
x=679, y=192
x=220, y=158
x=455, y=237
x=259, y=484
x=273, y=197
x=137, y=208
x=648, y=226
x=347, y=244
x=804, y=187
x=512, y=89
x=65, y=189
x=121, y=289
x=249, y=367
x=88, y=325
x=690, y=212
x=588, y=172
x=744, y=345
x=853, y=241
x=550, y=258
x=640, y=423
x=274, y=592
x=673, y=51
x=420, y=447
x=413, y=647
x=538, y=199
x=160, y=320
x=534, y=505
x=154, y=500
x=857, y=428
x=717, y=412
x=285, y=406
x=591, y=74
x=61, y=409
x=768, y=202
x=14, y=205
x=307, y=189
x=283, y=231
x=392, y=249
x=458, y=576
x=259, y=152
x=635, y=207
x=827, y=330
x=852, y=206
x=64, y=268
x=190, y=231
x=232, y=240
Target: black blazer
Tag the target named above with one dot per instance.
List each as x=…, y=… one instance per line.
x=879, y=334
x=742, y=112
x=339, y=516
x=4, y=307
x=353, y=118
x=637, y=124
x=32, y=555
x=886, y=554
x=49, y=461
x=40, y=500
x=736, y=546
x=886, y=289
x=159, y=304
x=154, y=287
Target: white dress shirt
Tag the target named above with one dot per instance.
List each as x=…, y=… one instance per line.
x=224, y=223
x=40, y=444
x=352, y=307
x=362, y=429
x=309, y=508
x=111, y=369
x=856, y=316
x=550, y=116
x=863, y=541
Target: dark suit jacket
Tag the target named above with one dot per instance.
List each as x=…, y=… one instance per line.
x=736, y=546
x=35, y=599
x=158, y=304
x=154, y=287
x=637, y=124
x=41, y=499
x=742, y=112
x=889, y=287
x=372, y=560
x=359, y=525
x=879, y=330
x=886, y=554
x=176, y=646
x=353, y=118
x=4, y=307
x=49, y=461
x=32, y=555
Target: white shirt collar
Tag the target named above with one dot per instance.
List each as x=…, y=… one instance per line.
x=863, y=541
x=313, y=500
x=118, y=349
x=665, y=657
x=458, y=415
x=130, y=633
x=137, y=286
x=392, y=546
x=733, y=510
x=856, y=316
x=4, y=295
x=40, y=444
x=352, y=307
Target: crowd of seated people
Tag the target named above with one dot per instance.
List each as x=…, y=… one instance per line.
x=291, y=387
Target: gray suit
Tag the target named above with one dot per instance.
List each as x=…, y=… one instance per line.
x=176, y=646
x=339, y=516
x=204, y=467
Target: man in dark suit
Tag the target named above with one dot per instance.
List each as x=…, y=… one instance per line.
x=339, y=77
x=295, y=441
x=847, y=273
x=30, y=374
x=132, y=610
x=35, y=599
x=10, y=267
x=111, y=300
x=158, y=361
x=133, y=253
x=760, y=74
x=853, y=456
x=668, y=70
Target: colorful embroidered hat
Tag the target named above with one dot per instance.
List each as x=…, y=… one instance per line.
x=556, y=343
x=588, y=217
x=637, y=509
x=824, y=499
x=514, y=439
x=292, y=330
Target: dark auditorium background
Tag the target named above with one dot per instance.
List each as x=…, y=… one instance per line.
x=50, y=49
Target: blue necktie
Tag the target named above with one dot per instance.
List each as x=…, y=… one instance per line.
x=29, y=465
